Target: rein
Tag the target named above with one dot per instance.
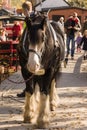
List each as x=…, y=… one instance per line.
x=21, y=82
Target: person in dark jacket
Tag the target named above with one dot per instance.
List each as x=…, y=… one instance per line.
x=72, y=26
x=84, y=44
x=27, y=10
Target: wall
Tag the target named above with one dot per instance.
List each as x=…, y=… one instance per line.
x=82, y=13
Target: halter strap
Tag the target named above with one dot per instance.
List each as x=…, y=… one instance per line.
x=31, y=50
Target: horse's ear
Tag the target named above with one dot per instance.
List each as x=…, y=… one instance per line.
x=28, y=22
x=44, y=23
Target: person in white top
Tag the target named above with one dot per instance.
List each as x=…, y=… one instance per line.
x=61, y=23
x=2, y=34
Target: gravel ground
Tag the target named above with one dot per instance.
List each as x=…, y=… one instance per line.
x=72, y=90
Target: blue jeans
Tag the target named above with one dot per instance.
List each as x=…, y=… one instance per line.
x=70, y=39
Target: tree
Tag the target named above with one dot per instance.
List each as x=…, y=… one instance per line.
x=78, y=3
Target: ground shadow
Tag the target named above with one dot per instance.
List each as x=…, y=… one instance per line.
x=75, y=79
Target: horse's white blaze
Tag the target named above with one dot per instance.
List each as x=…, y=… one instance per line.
x=33, y=64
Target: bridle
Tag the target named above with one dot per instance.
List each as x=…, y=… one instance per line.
x=33, y=51
x=39, y=54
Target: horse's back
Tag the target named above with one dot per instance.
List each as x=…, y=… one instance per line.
x=57, y=28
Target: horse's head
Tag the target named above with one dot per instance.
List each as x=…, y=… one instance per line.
x=36, y=44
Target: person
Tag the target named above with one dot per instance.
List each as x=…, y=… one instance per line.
x=16, y=31
x=27, y=10
x=61, y=23
x=78, y=40
x=84, y=27
x=84, y=44
x=72, y=26
x=3, y=34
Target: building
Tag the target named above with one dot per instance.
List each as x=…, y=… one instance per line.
x=5, y=3
x=5, y=12
x=45, y=5
x=67, y=11
x=60, y=8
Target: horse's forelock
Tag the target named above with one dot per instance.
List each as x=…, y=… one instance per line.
x=36, y=29
x=38, y=19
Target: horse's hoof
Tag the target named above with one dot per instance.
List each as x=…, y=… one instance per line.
x=26, y=120
x=64, y=64
x=53, y=108
x=43, y=125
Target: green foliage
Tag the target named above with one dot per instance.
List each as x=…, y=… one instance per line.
x=78, y=3
x=17, y=3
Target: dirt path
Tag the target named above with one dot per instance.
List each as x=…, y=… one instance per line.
x=72, y=111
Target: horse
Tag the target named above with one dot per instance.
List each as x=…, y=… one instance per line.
x=41, y=51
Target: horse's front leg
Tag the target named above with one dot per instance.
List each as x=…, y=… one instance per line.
x=54, y=98
x=29, y=112
x=43, y=118
x=32, y=105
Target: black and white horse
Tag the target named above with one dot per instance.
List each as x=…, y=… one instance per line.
x=41, y=51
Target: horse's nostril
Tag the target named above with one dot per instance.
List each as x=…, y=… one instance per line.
x=37, y=66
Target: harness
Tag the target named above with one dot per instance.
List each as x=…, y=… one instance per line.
x=54, y=35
